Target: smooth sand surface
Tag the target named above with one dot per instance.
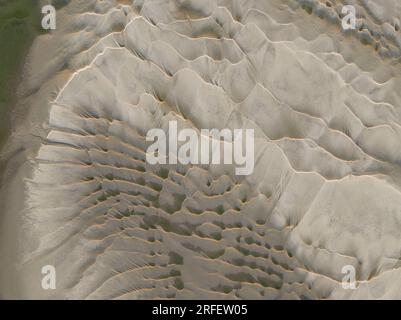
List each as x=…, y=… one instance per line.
x=325, y=192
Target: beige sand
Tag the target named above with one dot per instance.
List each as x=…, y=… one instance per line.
x=326, y=187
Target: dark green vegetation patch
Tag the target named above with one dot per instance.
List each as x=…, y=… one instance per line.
x=20, y=22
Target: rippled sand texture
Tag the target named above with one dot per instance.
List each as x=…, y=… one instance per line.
x=325, y=105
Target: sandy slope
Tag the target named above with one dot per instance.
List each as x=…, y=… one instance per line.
x=325, y=193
